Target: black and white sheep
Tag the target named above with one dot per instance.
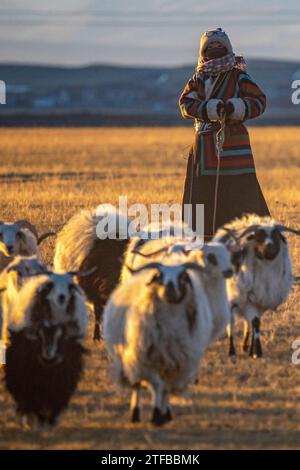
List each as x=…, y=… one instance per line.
x=263, y=278
x=45, y=355
x=157, y=326
x=78, y=248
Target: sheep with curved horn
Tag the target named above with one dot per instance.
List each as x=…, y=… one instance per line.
x=156, y=328
x=214, y=257
x=264, y=278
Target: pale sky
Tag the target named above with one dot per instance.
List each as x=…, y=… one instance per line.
x=143, y=32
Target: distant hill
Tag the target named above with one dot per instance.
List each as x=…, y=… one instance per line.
x=115, y=95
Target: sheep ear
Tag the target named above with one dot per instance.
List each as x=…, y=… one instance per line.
x=153, y=279
x=28, y=226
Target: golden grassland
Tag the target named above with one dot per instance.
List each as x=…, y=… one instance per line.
x=46, y=175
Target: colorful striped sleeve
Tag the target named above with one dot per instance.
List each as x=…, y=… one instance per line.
x=192, y=102
x=253, y=97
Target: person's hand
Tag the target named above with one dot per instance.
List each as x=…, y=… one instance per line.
x=228, y=108
x=220, y=109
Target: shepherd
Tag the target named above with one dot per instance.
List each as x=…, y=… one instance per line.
x=220, y=97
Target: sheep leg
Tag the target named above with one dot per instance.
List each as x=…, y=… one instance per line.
x=156, y=384
x=246, y=336
x=256, y=349
x=135, y=403
x=166, y=407
x=230, y=334
x=98, y=314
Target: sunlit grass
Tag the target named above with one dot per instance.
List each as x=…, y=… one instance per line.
x=47, y=175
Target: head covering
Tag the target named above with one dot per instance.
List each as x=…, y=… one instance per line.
x=229, y=61
x=214, y=35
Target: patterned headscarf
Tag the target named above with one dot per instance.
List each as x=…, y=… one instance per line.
x=213, y=67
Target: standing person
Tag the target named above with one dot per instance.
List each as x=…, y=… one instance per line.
x=222, y=89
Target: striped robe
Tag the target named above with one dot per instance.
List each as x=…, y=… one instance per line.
x=236, y=157
x=239, y=191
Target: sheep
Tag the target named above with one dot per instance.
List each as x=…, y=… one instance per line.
x=45, y=354
x=78, y=248
x=213, y=256
x=19, y=238
x=217, y=269
x=11, y=280
x=156, y=327
x=263, y=278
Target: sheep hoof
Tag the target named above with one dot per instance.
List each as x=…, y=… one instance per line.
x=158, y=419
x=256, y=355
x=256, y=350
x=233, y=359
x=168, y=415
x=135, y=415
x=231, y=347
x=97, y=335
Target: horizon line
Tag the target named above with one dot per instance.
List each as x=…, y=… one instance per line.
x=130, y=65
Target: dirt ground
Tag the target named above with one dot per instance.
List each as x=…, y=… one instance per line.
x=47, y=175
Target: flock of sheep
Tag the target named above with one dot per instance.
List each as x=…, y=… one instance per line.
x=160, y=302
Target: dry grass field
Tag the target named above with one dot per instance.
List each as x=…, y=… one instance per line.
x=48, y=175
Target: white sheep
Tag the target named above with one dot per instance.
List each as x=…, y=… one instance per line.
x=213, y=257
x=263, y=278
x=12, y=279
x=217, y=268
x=19, y=238
x=156, y=327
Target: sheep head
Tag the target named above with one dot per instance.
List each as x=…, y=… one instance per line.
x=266, y=239
x=170, y=281
x=24, y=267
x=215, y=259
x=20, y=238
x=12, y=239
